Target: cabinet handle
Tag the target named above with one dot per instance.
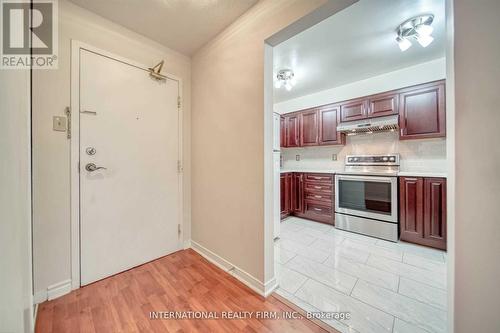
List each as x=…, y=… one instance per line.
x=318, y=196
x=318, y=209
x=317, y=187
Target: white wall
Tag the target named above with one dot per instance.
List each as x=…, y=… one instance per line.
x=477, y=167
x=426, y=155
x=16, y=310
x=228, y=135
x=51, y=150
x=450, y=149
x=421, y=73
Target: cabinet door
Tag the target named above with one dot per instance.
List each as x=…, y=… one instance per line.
x=329, y=117
x=411, y=209
x=383, y=105
x=297, y=193
x=283, y=196
x=309, y=128
x=282, y=132
x=288, y=186
x=422, y=111
x=435, y=212
x=353, y=110
x=292, y=130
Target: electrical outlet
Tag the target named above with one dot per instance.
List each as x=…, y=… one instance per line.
x=297, y=157
x=334, y=157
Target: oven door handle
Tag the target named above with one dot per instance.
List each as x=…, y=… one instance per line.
x=367, y=178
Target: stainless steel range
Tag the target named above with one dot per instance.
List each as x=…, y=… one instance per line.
x=366, y=196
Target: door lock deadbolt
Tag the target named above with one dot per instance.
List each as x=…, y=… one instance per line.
x=90, y=151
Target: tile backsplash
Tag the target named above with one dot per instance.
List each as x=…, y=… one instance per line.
x=424, y=155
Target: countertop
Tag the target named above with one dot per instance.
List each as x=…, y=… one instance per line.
x=422, y=174
x=402, y=173
x=309, y=170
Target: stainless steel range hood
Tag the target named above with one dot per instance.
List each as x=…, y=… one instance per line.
x=380, y=124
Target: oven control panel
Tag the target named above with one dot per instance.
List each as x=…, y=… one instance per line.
x=392, y=159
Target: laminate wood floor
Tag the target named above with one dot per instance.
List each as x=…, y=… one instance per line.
x=183, y=281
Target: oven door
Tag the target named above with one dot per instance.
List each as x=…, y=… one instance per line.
x=367, y=196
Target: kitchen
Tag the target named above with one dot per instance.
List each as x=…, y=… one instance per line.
x=360, y=167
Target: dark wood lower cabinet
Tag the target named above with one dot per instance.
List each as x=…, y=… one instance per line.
x=285, y=194
x=422, y=209
x=435, y=212
x=297, y=193
x=310, y=196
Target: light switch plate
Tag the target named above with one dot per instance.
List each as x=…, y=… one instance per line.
x=297, y=157
x=59, y=123
x=334, y=157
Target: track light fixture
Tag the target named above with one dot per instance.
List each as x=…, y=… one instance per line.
x=418, y=28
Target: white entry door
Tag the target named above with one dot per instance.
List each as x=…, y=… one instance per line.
x=129, y=209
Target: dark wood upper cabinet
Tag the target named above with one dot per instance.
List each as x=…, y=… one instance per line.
x=435, y=212
x=329, y=117
x=422, y=209
x=282, y=132
x=353, y=110
x=309, y=128
x=383, y=105
x=292, y=130
x=422, y=111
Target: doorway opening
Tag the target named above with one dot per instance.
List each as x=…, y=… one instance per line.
x=361, y=169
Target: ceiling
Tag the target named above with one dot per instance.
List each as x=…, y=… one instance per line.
x=355, y=44
x=182, y=25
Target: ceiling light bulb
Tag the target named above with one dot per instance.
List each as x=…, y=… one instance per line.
x=424, y=29
x=424, y=40
x=404, y=43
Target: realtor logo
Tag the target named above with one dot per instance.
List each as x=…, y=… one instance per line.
x=29, y=34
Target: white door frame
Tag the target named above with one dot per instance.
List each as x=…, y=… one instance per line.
x=76, y=46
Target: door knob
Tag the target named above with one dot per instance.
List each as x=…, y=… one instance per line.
x=92, y=167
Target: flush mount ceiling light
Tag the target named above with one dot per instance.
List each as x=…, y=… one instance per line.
x=285, y=78
x=418, y=28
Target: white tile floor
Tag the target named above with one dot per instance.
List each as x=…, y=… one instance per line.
x=386, y=287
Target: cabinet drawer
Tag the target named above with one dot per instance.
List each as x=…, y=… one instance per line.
x=319, y=187
x=318, y=177
x=315, y=207
x=318, y=196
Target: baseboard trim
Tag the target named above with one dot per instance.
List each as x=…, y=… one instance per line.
x=270, y=286
x=52, y=292
x=35, y=315
x=245, y=277
x=40, y=297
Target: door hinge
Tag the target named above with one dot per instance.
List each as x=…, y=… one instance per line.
x=179, y=230
x=68, y=115
x=78, y=166
x=178, y=102
x=179, y=166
